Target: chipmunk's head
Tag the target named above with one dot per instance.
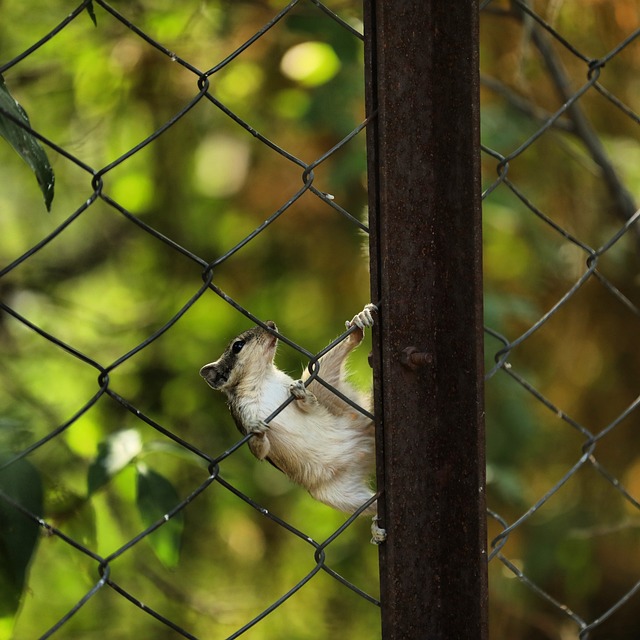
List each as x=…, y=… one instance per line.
x=247, y=358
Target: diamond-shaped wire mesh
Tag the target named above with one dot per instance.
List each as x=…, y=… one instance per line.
x=209, y=165
x=206, y=175
x=560, y=136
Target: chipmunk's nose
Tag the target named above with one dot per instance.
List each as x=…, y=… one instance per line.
x=271, y=324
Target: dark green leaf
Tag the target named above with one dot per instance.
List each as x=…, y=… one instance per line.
x=92, y=13
x=25, y=143
x=156, y=497
x=114, y=454
x=18, y=534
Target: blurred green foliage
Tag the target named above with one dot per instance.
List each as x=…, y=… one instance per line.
x=104, y=285
x=577, y=546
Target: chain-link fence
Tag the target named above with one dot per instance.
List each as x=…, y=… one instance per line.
x=210, y=174
x=119, y=487
x=560, y=135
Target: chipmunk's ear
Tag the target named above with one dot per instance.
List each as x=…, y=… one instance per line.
x=215, y=375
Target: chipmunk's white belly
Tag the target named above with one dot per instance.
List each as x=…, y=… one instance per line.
x=312, y=447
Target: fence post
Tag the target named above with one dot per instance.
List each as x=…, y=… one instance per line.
x=425, y=222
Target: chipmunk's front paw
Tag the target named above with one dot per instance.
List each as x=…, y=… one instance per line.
x=304, y=398
x=298, y=390
x=378, y=535
x=364, y=318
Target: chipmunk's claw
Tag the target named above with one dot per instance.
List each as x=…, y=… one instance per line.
x=298, y=390
x=364, y=318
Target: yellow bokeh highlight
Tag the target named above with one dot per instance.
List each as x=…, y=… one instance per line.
x=310, y=63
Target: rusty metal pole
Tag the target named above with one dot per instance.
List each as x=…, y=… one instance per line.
x=425, y=222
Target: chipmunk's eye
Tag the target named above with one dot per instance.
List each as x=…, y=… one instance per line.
x=237, y=346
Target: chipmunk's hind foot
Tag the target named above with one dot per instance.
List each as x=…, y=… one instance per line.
x=378, y=535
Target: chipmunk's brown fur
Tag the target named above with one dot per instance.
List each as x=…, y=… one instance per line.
x=319, y=441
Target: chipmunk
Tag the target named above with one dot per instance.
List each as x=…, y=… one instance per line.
x=318, y=440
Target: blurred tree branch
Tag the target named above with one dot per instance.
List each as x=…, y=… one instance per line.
x=522, y=104
x=623, y=202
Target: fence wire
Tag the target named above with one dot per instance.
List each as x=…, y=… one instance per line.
x=548, y=102
x=203, y=94
x=565, y=95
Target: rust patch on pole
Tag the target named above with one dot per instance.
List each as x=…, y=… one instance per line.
x=425, y=222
